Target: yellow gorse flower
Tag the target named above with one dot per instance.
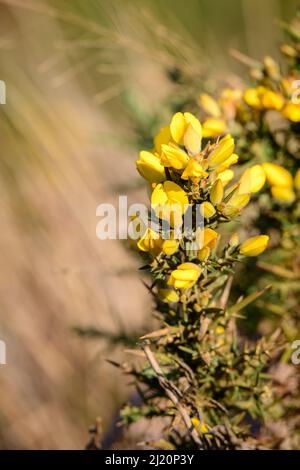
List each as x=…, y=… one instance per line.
x=169, y=247
x=254, y=246
x=170, y=202
x=252, y=180
x=173, y=156
x=217, y=192
x=168, y=295
x=149, y=166
x=224, y=149
x=185, y=276
x=200, y=427
x=194, y=169
x=263, y=98
x=180, y=124
x=292, y=111
x=150, y=242
x=277, y=175
x=213, y=127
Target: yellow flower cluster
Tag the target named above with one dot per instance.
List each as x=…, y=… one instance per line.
x=262, y=98
x=283, y=186
x=182, y=174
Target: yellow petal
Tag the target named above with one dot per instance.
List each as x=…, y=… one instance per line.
x=226, y=176
x=204, y=253
x=292, y=111
x=149, y=166
x=192, y=140
x=193, y=170
x=217, y=192
x=208, y=209
x=209, y=105
x=177, y=127
x=223, y=150
x=254, y=246
x=174, y=157
x=163, y=137
x=191, y=119
x=168, y=295
x=252, y=180
x=277, y=175
x=281, y=194
x=272, y=100
x=169, y=247
x=213, y=127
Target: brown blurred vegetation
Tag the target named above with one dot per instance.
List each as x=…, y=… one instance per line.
x=68, y=144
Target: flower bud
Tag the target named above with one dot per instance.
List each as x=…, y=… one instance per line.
x=223, y=150
x=217, y=192
x=208, y=209
x=185, y=276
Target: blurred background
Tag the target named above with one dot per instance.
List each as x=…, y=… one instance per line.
x=88, y=82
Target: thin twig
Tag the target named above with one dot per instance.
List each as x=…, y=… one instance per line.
x=171, y=392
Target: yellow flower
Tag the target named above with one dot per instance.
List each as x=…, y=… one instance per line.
x=226, y=176
x=238, y=200
x=149, y=166
x=193, y=170
x=192, y=140
x=209, y=105
x=223, y=150
x=252, y=180
x=208, y=209
x=277, y=175
x=207, y=238
x=180, y=123
x=204, y=253
x=212, y=127
x=173, y=156
x=234, y=158
x=217, y=192
x=252, y=98
x=185, y=276
x=200, y=427
x=163, y=137
x=263, y=98
x=169, y=247
x=254, y=246
x=297, y=180
x=272, y=100
x=168, y=295
x=169, y=202
x=292, y=111
x=229, y=99
x=150, y=241
x=282, y=194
